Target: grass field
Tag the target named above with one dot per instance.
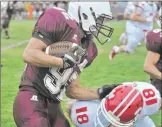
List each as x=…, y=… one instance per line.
x=125, y=67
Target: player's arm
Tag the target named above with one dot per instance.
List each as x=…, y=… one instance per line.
x=136, y=16
x=35, y=55
x=45, y=34
x=76, y=91
x=150, y=65
x=42, y=36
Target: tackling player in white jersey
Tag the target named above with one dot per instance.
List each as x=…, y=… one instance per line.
x=130, y=8
x=140, y=21
x=128, y=105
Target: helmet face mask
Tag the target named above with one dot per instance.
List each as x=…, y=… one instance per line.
x=91, y=19
x=100, y=30
x=101, y=118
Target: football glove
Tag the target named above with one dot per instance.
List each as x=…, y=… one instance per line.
x=73, y=57
x=105, y=90
x=70, y=59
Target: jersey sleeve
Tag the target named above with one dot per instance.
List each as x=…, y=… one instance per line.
x=54, y=25
x=154, y=47
x=43, y=29
x=153, y=42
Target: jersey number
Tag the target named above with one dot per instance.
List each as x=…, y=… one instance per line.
x=149, y=93
x=83, y=118
x=56, y=83
x=157, y=30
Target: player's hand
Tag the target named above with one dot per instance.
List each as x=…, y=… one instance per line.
x=70, y=59
x=105, y=90
x=75, y=56
x=81, y=54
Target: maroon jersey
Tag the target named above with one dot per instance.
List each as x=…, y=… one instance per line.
x=154, y=44
x=54, y=25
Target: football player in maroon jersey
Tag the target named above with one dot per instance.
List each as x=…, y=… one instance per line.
x=153, y=62
x=46, y=78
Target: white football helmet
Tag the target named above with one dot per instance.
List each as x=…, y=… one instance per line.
x=90, y=16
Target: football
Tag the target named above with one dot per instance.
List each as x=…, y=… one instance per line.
x=59, y=48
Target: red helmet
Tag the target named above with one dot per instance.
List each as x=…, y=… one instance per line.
x=121, y=107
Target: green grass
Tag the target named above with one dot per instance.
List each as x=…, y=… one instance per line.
x=125, y=67
x=20, y=30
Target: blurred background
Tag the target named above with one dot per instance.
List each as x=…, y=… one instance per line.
x=32, y=10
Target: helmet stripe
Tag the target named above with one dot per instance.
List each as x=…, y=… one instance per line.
x=124, y=100
x=126, y=107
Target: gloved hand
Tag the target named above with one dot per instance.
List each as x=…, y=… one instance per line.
x=73, y=57
x=81, y=54
x=105, y=90
x=70, y=59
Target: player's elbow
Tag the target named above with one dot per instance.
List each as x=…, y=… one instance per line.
x=146, y=68
x=26, y=57
x=72, y=92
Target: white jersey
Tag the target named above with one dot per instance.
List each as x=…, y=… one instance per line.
x=151, y=97
x=130, y=8
x=83, y=113
x=147, y=11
